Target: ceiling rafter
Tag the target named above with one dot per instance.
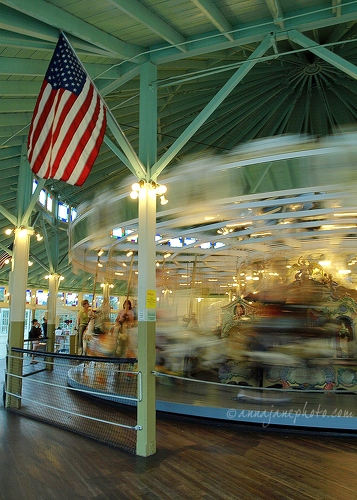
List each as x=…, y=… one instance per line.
x=16, y=31
x=51, y=15
x=215, y=16
x=145, y=16
x=276, y=12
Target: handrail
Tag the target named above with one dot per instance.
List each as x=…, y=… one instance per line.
x=76, y=356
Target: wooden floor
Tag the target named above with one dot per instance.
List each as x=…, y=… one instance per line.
x=195, y=459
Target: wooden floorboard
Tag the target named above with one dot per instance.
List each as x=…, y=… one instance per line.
x=195, y=459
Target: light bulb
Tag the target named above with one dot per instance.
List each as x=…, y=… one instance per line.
x=161, y=189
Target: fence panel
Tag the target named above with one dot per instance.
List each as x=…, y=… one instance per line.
x=58, y=389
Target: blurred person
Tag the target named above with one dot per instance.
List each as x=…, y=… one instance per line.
x=44, y=327
x=34, y=334
x=124, y=321
x=192, y=321
x=82, y=323
x=126, y=314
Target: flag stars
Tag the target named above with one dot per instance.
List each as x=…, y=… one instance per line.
x=66, y=75
x=65, y=71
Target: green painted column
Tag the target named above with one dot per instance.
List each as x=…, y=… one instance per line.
x=146, y=440
x=17, y=289
x=53, y=285
x=146, y=437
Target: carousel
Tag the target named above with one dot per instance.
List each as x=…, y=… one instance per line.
x=256, y=312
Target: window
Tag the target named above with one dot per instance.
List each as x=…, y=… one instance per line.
x=114, y=302
x=67, y=322
x=41, y=297
x=120, y=232
x=71, y=299
x=63, y=211
x=88, y=296
x=4, y=321
x=28, y=318
x=176, y=243
x=189, y=241
x=49, y=204
x=73, y=214
x=42, y=197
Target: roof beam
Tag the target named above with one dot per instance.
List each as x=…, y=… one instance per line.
x=51, y=15
x=129, y=71
x=8, y=216
x=136, y=167
x=145, y=16
x=276, y=12
x=17, y=31
x=247, y=34
x=35, y=67
x=325, y=54
x=210, y=108
x=118, y=153
x=7, y=153
x=34, y=198
x=336, y=4
x=215, y=16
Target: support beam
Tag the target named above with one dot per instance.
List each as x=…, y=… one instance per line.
x=145, y=16
x=17, y=289
x=146, y=438
x=8, y=216
x=210, y=108
x=51, y=15
x=148, y=117
x=276, y=12
x=325, y=54
x=146, y=416
x=40, y=185
x=135, y=165
x=216, y=17
x=119, y=153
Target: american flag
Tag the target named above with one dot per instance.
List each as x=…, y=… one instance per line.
x=68, y=122
x=4, y=256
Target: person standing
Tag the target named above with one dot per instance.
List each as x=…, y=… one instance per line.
x=124, y=321
x=44, y=327
x=35, y=334
x=82, y=323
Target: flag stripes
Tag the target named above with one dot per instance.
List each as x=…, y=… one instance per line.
x=4, y=256
x=68, y=123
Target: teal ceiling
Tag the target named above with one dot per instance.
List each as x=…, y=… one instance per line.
x=293, y=62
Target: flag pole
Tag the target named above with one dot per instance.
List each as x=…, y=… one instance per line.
x=138, y=168
x=129, y=282
x=95, y=279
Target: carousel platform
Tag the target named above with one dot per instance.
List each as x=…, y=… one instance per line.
x=329, y=410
